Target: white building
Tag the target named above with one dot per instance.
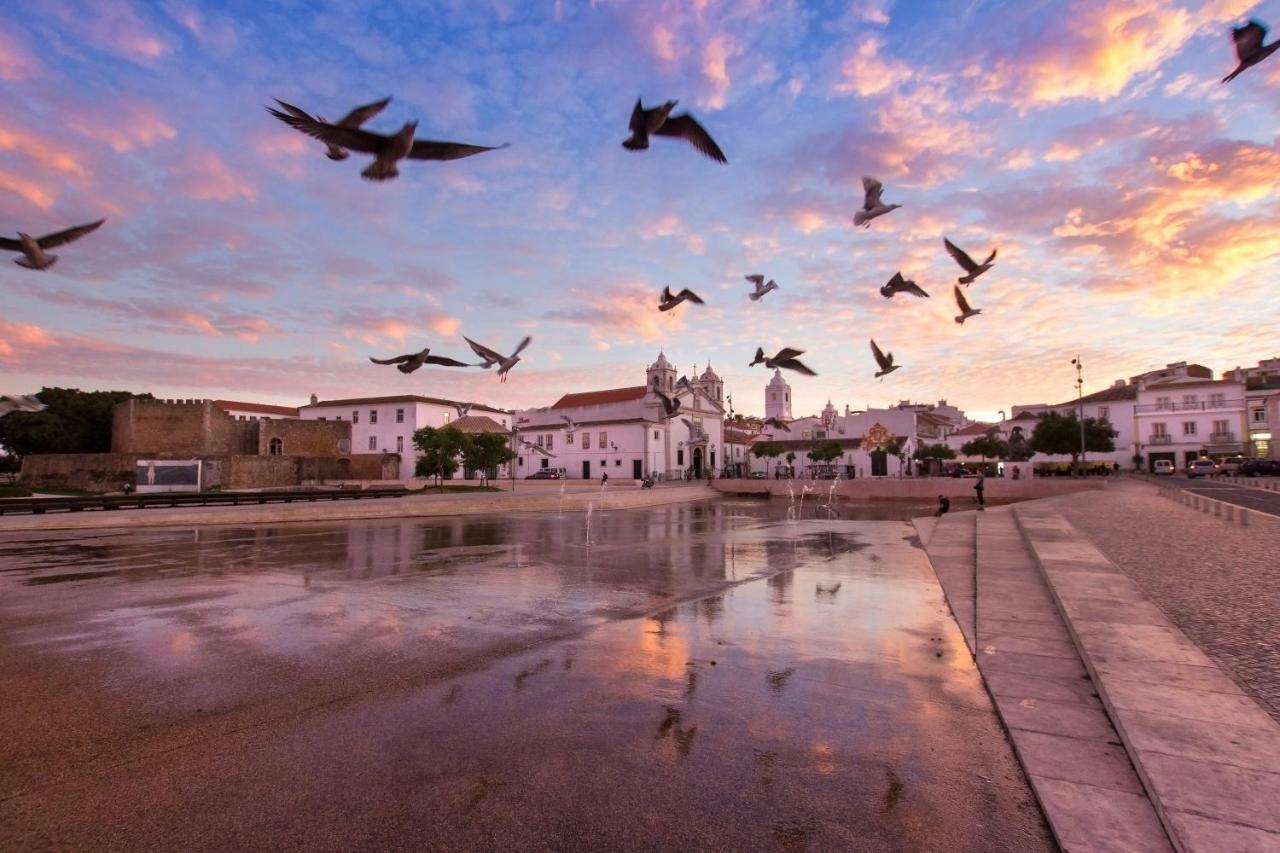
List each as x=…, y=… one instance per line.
x=1184, y=418
x=1262, y=386
x=256, y=411
x=624, y=431
x=387, y=424
x=1115, y=405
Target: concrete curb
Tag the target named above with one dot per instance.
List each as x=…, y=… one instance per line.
x=1232, y=513
x=1270, y=484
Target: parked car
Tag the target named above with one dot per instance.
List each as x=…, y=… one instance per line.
x=1259, y=468
x=1202, y=468
x=1163, y=467
x=1231, y=465
x=544, y=474
x=758, y=475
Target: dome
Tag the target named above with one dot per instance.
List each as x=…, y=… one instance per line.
x=777, y=381
x=661, y=363
x=709, y=375
x=829, y=408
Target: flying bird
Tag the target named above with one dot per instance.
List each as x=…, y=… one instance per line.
x=872, y=206
x=963, y=304
x=33, y=248
x=667, y=302
x=492, y=357
x=660, y=122
x=777, y=423
x=387, y=151
x=353, y=119
x=20, y=403
x=786, y=359
x=412, y=361
x=1249, y=48
x=536, y=448
x=761, y=287
x=884, y=360
x=463, y=409
x=670, y=405
x=570, y=426
x=974, y=270
x=898, y=284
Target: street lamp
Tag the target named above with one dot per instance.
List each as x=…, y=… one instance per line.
x=1080, y=401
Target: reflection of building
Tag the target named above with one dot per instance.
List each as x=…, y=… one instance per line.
x=624, y=431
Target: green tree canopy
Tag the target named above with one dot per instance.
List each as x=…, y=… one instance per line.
x=926, y=452
x=485, y=450
x=74, y=421
x=986, y=446
x=762, y=449
x=1057, y=434
x=440, y=449
x=826, y=451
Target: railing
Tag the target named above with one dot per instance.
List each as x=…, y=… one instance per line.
x=39, y=506
x=1160, y=439
x=1222, y=438
x=1202, y=406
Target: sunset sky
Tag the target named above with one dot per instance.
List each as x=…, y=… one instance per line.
x=1135, y=200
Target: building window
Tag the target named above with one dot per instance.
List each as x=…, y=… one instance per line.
x=399, y=444
x=617, y=463
x=399, y=416
x=1218, y=400
x=568, y=439
x=604, y=440
x=586, y=441
x=546, y=463
x=1163, y=403
x=355, y=417
x=540, y=440
x=655, y=434
x=373, y=442
x=773, y=397
x=275, y=447
x=680, y=458
x=1159, y=429
x=1189, y=400
x=373, y=416
x=1188, y=427
x=551, y=441
x=446, y=417
x=1104, y=412
x=1221, y=427
x=1259, y=416
x=822, y=433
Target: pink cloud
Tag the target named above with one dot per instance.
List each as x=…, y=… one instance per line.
x=16, y=62
x=205, y=176
x=865, y=72
x=114, y=26
x=27, y=189
x=40, y=149
x=17, y=339
x=125, y=124
x=715, y=71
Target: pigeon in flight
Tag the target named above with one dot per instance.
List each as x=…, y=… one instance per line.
x=412, y=361
x=872, y=206
x=761, y=287
x=353, y=120
x=492, y=357
x=898, y=284
x=786, y=359
x=570, y=426
x=670, y=405
x=689, y=426
x=963, y=304
x=777, y=423
x=387, y=151
x=884, y=360
x=1249, y=48
x=536, y=448
x=20, y=403
x=966, y=262
x=668, y=301
x=660, y=122
x=463, y=409
x=33, y=248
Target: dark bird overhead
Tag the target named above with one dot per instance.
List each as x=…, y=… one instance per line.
x=353, y=119
x=963, y=304
x=972, y=270
x=463, y=409
x=670, y=405
x=898, y=284
x=786, y=359
x=1249, y=48
x=872, y=206
x=33, y=248
x=492, y=357
x=660, y=122
x=667, y=302
x=411, y=362
x=387, y=151
x=777, y=423
x=884, y=360
x=760, y=287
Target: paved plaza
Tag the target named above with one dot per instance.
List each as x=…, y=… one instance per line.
x=706, y=676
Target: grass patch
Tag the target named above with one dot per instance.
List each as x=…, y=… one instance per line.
x=14, y=492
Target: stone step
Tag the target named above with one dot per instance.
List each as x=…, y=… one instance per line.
x=950, y=550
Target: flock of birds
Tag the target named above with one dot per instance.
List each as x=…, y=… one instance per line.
x=390, y=150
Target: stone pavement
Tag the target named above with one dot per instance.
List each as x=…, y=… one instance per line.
x=1245, y=493
x=950, y=548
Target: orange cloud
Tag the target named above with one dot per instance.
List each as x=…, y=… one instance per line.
x=206, y=177
x=44, y=151
x=124, y=126
x=715, y=69
x=27, y=189
x=867, y=73
x=15, y=335
x=16, y=62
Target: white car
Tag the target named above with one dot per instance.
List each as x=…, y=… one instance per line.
x=1163, y=467
x=1202, y=468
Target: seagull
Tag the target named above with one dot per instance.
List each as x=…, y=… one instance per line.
x=670, y=405
x=761, y=287
x=898, y=284
x=492, y=357
x=689, y=425
x=20, y=403
x=536, y=448
x=659, y=121
x=965, y=311
x=871, y=205
x=387, y=151
x=668, y=301
x=570, y=426
x=785, y=359
x=351, y=120
x=1249, y=48
x=683, y=382
x=32, y=248
x=412, y=361
x=777, y=423
x=973, y=270
x=463, y=409
x=885, y=361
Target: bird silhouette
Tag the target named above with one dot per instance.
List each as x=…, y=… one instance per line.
x=491, y=357
x=1249, y=48
x=412, y=361
x=667, y=301
x=972, y=269
x=761, y=287
x=884, y=360
x=872, y=206
x=898, y=284
x=659, y=121
x=963, y=304
x=353, y=119
x=33, y=248
x=785, y=359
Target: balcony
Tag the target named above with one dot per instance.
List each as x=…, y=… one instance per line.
x=1160, y=439
x=1202, y=406
x=1222, y=438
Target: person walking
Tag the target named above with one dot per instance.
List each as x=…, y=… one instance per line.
x=604, y=479
x=979, y=487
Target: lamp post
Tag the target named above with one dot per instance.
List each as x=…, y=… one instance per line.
x=1080, y=402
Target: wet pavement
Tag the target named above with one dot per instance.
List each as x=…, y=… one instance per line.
x=707, y=676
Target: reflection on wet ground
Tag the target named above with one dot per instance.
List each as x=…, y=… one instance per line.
x=492, y=683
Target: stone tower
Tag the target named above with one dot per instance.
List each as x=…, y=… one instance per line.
x=777, y=398
x=712, y=385
x=661, y=376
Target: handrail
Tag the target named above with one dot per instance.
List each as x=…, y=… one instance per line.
x=1201, y=406
x=39, y=506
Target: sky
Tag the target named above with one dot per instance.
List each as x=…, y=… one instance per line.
x=1134, y=200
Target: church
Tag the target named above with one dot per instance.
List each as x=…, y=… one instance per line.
x=624, y=432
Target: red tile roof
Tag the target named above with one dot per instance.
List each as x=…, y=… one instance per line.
x=733, y=436
x=473, y=424
x=1114, y=394
x=261, y=408
x=976, y=429
x=600, y=398
x=403, y=398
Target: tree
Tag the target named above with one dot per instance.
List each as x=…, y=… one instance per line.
x=484, y=451
x=440, y=449
x=894, y=448
x=766, y=449
x=74, y=421
x=931, y=453
x=826, y=451
x=986, y=445
x=1057, y=434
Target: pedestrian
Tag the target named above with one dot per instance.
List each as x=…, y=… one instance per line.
x=604, y=479
x=944, y=506
x=979, y=487
x=1017, y=472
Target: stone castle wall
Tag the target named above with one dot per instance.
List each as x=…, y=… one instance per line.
x=180, y=428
